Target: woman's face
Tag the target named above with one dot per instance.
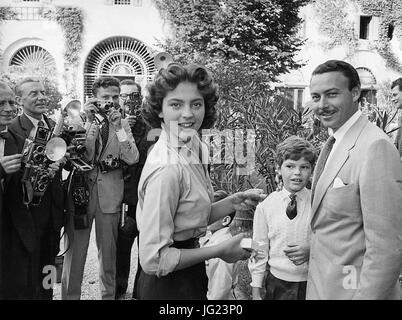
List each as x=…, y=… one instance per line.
x=183, y=110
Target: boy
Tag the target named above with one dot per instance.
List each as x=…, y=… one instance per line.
x=281, y=222
x=222, y=276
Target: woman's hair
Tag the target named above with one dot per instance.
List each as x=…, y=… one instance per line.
x=168, y=79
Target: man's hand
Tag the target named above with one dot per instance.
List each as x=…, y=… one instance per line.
x=298, y=254
x=131, y=120
x=115, y=119
x=11, y=163
x=247, y=200
x=90, y=109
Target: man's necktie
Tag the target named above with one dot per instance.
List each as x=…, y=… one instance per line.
x=291, y=209
x=104, y=133
x=319, y=168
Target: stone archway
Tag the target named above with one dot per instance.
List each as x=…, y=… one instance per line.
x=121, y=57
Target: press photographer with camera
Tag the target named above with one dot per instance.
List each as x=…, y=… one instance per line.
x=31, y=231
x=10, y=159
x=131, y=102
x=109, y=145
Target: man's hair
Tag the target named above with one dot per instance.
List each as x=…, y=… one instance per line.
x=295, y=148
x=104, y=82
x=340, y=66
x=131, y=82
x=397, y=82
x=18, y=87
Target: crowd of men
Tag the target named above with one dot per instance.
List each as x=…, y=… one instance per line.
x=116, y=147
x=30, y=232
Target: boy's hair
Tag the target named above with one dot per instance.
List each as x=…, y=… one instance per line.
x=295, y=148
x=397, y=82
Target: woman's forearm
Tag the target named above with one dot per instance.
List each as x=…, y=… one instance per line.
x=190, y=257
x=221, y=209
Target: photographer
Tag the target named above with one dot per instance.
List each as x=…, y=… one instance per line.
x=131, y=101
x=31, y=232
x=109, y=144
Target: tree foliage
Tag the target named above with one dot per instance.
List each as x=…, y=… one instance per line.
x=261, y=34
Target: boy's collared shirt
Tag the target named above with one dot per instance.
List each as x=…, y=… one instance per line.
x=222, y=276
x=275, y=230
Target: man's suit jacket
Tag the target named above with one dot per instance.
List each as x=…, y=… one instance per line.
x=110, y=184
x=398, y=140
x=52, y=202
x=356, y=242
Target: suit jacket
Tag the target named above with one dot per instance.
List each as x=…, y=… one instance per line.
x=398, y=141
x=27, y=219
x=356, y=243
x=110, y=184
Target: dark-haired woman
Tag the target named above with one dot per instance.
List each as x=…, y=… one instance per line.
x=175, y=192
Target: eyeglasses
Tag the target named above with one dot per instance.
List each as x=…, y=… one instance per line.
x=132, y=96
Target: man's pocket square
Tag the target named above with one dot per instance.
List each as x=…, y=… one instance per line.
x=338, y=183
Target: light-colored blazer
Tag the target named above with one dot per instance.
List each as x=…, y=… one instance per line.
x=356, y=242
x=110, y=184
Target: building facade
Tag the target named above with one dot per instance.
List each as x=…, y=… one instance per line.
x=119, y=38
x=324, y=40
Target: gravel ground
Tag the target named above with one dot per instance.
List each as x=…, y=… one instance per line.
x=90, y=283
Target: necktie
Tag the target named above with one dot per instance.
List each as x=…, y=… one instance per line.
x=319, y=168
x=291, y=209
x=104, y=133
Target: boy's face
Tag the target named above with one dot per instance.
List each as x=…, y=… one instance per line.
x=295, y=174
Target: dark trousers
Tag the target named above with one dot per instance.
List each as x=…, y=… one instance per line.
x=22, y=274
x=123, y=256
x=278, y=289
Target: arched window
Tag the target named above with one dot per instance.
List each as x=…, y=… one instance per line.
x=368, y=85
x=120, y=57
x=33, y=58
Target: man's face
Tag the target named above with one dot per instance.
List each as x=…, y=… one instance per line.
x=110, y=93
x=125, y=91
x=332, y=101
x=8, y=107
x=397, y=97
x=33, y=99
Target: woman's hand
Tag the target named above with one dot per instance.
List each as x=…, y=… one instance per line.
x=247, y=200
x=231, y=251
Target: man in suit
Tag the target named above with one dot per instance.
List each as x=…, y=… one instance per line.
x=31, y=233
x=132, y=174
x=396, y=88
x=10, y=160
x=109, y=140
x=356, y=243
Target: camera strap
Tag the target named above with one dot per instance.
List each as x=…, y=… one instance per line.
x=27, y=192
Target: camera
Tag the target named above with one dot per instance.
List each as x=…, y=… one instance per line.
x=75, y=136
x=105, y=107
x=109, y=164
x=80, y=195
x=36, y=175
x=134, y=104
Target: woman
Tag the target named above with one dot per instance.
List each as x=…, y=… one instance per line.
x=175, y=191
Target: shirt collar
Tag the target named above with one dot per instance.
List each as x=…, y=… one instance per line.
x=36, y=121
x=339, y=134
x=5, y=130
x=302, y=194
